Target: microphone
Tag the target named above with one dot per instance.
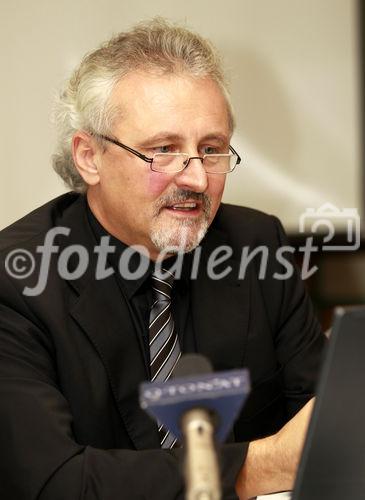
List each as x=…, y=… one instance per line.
x=198, y=407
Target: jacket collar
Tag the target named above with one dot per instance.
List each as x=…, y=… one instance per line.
x=103, y=313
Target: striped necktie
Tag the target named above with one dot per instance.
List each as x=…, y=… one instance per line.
x=164, y=343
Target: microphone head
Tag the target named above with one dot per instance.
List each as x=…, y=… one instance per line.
x=192, y=364
x=195, y=386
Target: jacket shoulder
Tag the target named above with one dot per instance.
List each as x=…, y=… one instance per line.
x=245, y=225
x=38, y=222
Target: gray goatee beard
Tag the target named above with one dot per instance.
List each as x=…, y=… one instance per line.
x=180, y=236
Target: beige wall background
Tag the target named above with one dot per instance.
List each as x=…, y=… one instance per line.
x=293, y=66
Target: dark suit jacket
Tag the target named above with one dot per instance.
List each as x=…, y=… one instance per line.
x=71, y=362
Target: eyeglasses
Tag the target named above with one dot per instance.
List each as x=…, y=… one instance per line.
x=176, y=162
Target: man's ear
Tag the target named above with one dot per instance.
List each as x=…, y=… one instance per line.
x=84, y=154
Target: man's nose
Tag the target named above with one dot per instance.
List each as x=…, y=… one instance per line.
x=193, y=177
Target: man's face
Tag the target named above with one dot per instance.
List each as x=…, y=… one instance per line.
x=161, y=114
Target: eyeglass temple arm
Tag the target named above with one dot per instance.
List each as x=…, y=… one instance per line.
x=235, y=152
x=127, y=148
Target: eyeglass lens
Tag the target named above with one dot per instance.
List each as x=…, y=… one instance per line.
x=164, y=162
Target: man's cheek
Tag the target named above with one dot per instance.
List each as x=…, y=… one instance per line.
x=216, y=191
x=158, y=182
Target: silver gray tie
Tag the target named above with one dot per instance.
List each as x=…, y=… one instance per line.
x=164, y=343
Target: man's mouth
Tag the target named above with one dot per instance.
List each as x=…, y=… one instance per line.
x=185, y=204
x=185, y=207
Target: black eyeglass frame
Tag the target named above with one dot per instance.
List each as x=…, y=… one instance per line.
x=150, y=160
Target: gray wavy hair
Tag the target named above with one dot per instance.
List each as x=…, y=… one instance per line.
x=84, y=103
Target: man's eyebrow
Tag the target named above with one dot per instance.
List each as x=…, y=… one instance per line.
x=216, y=137
x=161, y=137
x=168, y=136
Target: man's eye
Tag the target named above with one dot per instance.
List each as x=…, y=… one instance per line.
x=163, y=149
x=210, y=150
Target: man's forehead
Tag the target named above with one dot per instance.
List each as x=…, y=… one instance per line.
x=162, y=102
x=146, y=84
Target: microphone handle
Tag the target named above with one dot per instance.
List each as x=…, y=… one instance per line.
x=201, y=463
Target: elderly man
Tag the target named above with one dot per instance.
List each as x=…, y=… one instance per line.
x=145, y=125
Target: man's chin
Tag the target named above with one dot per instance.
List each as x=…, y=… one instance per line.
x=182, y=239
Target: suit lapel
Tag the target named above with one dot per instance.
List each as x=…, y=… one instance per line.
x=220, y=308
x=103, y=314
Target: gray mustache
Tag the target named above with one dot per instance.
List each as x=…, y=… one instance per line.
x=182, y=195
